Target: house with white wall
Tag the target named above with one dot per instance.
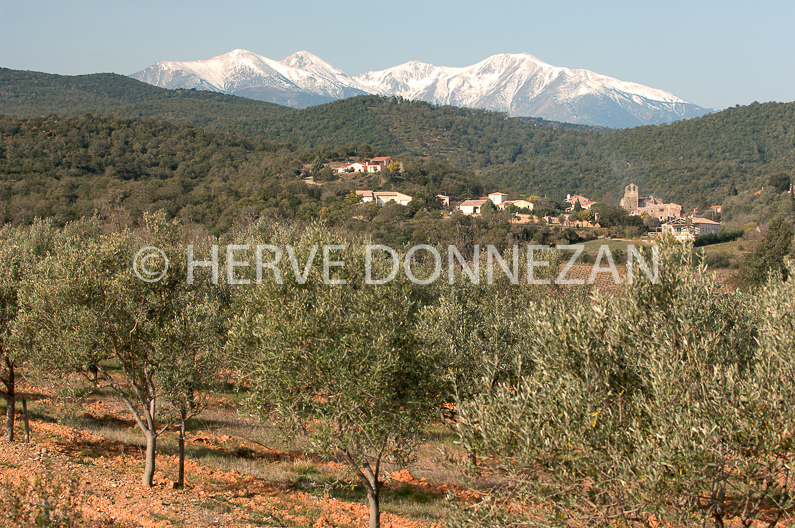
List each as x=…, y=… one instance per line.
x=470, y=207
x=372, y=166
x=497, y=198
x=383, y=197
x=705, y=226
x=689, y=228
x=378, y=164
x=351, y=167
x=473, y=206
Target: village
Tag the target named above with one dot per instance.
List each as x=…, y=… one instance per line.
x=671, y=216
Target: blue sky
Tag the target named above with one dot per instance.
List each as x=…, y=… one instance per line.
x=710, y=52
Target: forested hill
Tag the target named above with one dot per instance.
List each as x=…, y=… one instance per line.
x=66, y=168
x=69, y=167
x=688, y=162
x=34, y=94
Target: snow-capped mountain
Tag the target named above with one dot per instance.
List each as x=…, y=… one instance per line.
x=523, y=85
x=300, y=80
x=518, y=84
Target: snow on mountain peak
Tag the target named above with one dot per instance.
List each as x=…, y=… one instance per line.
x=306, y=61
x=517, y=83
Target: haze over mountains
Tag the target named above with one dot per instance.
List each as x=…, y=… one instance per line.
x=518, y=84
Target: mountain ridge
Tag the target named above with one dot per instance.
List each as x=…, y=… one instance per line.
x=518, y=84
x=302, y=79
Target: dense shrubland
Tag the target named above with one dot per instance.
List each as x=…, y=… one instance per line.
x=671, y=402
x=68, y=168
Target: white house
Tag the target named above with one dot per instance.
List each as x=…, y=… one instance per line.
x=378, y=164
x=704, y=226
x=686, y=229
x=584, y=205
x=497, y=198
x=382, y=197
x=351, y=167
x=374, y=165
x=472, y=206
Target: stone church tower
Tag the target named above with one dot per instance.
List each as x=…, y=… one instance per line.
x=630, y=199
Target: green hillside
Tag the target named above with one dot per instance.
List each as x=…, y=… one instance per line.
x=66, y=168
x=70, y=167
x=690, y=162
x=34, y=94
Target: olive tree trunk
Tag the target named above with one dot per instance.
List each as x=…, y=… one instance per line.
x=147, y=424
x=372, y=498
x=25, y=416
x=149, y=469
x=369, y=478
x=181, y=474
x=10, y=408
x=10, y=397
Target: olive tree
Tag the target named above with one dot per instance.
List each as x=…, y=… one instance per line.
x=341, y=361
x=193, y=336
x=478, y=326
x=11, y=257
x=87, y=310
x=668, y=404
x=19, y=248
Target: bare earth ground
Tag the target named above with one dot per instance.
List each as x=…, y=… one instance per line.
x=231, y=480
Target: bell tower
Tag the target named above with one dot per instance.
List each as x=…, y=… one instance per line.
x=630, y=199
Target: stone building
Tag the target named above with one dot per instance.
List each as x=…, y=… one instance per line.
x=689, y=228
x=637, y=205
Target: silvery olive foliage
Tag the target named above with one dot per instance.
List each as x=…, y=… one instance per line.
x=20, y=249
x=154, y=345
x=339, y=362
x=673, y=403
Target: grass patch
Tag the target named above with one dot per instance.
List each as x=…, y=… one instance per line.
x=417, y=504
x=440, y=435
x=173, y=521
x=592, y=246
x=215, y=505
x=36, y=411
x=405, y=501
x=407, y=493
x=304, y=468
x=728, y=254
